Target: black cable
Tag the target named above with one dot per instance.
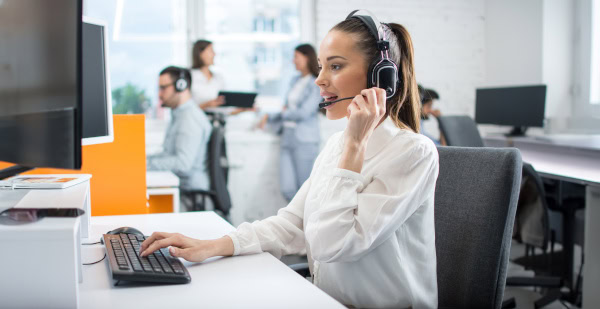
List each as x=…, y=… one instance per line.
x=91, y=243
x=563, y=303
x=96, y=261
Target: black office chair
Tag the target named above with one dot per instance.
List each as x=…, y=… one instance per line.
x=533, y=209
x=475, y=204
x=460, y=131
x=568, y=199
x=218, y=170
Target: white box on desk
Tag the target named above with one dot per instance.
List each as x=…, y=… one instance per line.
x=77, y=196
x=41, y=264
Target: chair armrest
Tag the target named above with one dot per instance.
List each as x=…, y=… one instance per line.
x=301, y=268
x=509, y=303
x=198, y=191
x=541, y=281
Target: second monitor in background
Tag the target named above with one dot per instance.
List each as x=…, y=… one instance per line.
x=238, y=99
x=520, y=107
x=97, y=124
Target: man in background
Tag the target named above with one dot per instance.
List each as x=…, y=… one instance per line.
x=186, y=141
x=427, y=98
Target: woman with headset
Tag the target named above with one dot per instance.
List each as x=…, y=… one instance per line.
x=207, y=83
x=298, y=123
x=365, y=215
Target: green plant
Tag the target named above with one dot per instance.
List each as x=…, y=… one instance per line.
x=129, y=99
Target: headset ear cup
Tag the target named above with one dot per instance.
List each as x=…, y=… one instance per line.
x=180, y=85
x=384, y=75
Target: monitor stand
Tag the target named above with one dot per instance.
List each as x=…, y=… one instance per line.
x=13, y=170
x=517, y=131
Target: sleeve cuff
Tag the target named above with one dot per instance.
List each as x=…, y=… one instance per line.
x=340, y=172
x=236, y=243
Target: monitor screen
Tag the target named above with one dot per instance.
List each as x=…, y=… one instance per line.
x=96, y=96
x=522, y=106
x=40, y=90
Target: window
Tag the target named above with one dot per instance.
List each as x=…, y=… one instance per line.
x=144, y=36
x=254, y=42
x=595, y=65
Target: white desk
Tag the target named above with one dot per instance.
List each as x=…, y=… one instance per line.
x=577, y=162
x=253, y=281
x=163, y=183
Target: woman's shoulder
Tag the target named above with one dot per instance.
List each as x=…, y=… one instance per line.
x=420, y=146
x=336, y=139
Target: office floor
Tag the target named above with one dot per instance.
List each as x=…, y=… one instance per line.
x=525, y=297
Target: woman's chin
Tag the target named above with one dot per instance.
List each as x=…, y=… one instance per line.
x=331, y=115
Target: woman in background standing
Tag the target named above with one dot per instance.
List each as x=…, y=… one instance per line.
x=206, y=83
x=298, y=123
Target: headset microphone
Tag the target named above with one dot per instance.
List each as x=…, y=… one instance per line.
x=324, y=103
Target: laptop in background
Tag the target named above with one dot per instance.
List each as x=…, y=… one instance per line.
x=238, y=99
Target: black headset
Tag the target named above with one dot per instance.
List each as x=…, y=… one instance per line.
x=383, y=71
x=181, y=83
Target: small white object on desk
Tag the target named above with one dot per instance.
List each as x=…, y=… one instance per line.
x=48, y=181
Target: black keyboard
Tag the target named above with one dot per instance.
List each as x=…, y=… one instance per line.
x=126, y=264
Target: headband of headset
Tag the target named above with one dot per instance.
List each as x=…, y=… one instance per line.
x=382, y=43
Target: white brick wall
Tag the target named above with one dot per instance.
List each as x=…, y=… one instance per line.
x=448, y=38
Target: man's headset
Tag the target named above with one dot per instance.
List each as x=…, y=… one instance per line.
x=181, y=83
x=383, y=71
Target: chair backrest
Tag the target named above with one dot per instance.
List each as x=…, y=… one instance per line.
x=460, y=131
x=218, y=168
x=475, y=203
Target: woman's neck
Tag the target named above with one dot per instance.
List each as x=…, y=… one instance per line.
x=304, y=72
x=206, y=71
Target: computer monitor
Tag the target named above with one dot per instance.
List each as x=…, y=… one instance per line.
x=96, y=93
x=520, y=107
x=40, y=84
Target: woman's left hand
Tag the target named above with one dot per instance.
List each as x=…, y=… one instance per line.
x=364, y=114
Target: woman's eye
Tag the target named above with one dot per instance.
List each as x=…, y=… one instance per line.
x=336, y=67
x=320, y=68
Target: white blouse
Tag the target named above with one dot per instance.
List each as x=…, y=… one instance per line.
x=205, y=90
x=369, y=237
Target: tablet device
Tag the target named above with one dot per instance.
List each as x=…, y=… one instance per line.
x=238, y=99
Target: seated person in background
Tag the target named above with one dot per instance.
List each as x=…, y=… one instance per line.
x=298, y=124
x=207, y=83
x=365, y=216
x=427, y=97
x=186, y=141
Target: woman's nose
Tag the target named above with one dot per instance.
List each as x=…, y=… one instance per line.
x=321, y=80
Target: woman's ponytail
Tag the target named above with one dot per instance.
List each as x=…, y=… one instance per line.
x=406, y=109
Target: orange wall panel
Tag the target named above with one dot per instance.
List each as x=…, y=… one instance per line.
x=118, y=169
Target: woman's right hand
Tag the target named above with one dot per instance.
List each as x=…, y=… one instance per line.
x=220, y=100
x=190, y=249
x=262, y=123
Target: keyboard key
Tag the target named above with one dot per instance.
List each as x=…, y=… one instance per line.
x=154, y=263
x=137, y=267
